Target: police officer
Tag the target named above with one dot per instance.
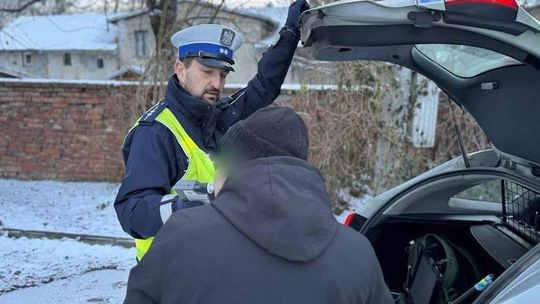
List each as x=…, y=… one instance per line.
x=174, y=139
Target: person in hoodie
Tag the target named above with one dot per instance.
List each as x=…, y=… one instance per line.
x=268, y=237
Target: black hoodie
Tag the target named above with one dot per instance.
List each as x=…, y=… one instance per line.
x=269, y=237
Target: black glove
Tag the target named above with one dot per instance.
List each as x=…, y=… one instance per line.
x=295, y=10
x=172, y=203
x=185, y=204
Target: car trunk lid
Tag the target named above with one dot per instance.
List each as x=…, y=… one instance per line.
x=484, y=54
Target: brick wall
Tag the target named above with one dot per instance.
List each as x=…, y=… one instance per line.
x=62, y=131
x=65, y=130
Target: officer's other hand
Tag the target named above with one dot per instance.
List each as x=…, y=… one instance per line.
x=295, y=10
x=185, y=204
x=172, y=203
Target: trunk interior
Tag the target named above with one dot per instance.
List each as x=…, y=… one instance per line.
x=492, y=246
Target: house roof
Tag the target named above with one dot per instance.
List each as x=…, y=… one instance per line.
x=84, y=32
x=135, y=69
x=254, y=13
x=8, y=74
x=126, y=15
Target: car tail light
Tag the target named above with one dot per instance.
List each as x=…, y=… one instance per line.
x=349, y=219
x=496, y=9
x=355, y=221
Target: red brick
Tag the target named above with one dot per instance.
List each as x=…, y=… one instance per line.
x=63, y=131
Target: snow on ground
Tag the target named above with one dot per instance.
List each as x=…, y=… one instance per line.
x=86, y=208
x=354, y=202
x=32, y=262
x=73, y=207
x=101, y=287
x=66, y=271
x=61, y=271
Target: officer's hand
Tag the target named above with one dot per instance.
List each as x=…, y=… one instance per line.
x=295, y=10
x=185, y=204
x=172, y=203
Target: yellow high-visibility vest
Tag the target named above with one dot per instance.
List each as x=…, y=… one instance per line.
x=200, y=166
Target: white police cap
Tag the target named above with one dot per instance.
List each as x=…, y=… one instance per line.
x=211, y=44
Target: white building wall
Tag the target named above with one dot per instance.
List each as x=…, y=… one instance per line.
x=83, y=65
x=246, y=58
x=13, y=62
x=50, y=64
x=127, y=40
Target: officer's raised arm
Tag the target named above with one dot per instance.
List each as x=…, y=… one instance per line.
x=265, y=87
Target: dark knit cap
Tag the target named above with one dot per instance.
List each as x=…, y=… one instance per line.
x=271, y=131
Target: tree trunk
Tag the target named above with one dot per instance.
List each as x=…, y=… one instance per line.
x=162, y=18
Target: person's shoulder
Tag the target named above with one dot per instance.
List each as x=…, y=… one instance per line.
x=146, y=124
x=352, y=238
x=149, y=117
x=148, y=134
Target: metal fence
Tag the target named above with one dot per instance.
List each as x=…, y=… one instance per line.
x=521, y=210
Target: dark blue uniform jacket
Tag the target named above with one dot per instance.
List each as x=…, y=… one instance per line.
x=155, y=161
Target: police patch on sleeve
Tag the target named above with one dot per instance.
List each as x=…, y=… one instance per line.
x=227, y=37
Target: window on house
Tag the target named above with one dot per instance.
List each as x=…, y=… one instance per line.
x=140, y=43
x=27, y=58
x=100, y=63
x=67, y=59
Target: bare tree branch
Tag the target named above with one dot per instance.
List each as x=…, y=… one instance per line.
x=20, y=8
x=218, y=9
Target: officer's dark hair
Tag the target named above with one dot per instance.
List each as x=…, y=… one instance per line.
x=187, y=61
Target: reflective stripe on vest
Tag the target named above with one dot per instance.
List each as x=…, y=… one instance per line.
x=200, y=166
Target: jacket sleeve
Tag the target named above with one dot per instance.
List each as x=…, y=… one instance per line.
x=265, y=87
x=148, y=177
x=157, y=277
x=138, y=296
x=374, y=290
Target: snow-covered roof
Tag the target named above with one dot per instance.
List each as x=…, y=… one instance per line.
x=259, y=13
x=135, y=69
x=126, y=15
x=84, y=32
x=230, y=86
x=8, y=73
x=237, y=11
x=15, y=70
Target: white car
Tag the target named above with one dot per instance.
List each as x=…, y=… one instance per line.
x=485, y=55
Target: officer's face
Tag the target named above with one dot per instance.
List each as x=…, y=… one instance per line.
x=201, y=81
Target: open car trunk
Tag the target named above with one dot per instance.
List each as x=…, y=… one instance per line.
x=485, y=56
x=484, y=244
x=491, y=67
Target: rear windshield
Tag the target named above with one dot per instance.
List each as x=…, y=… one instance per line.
x=465, y=61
